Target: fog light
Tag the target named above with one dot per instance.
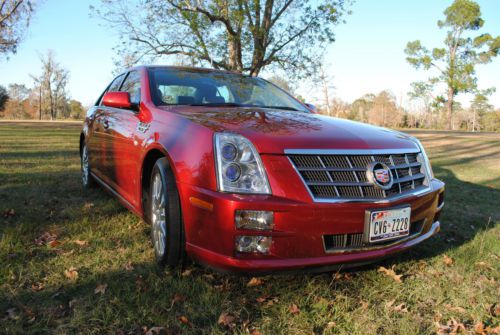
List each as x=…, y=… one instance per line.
x=260, y=244
x=257, y=220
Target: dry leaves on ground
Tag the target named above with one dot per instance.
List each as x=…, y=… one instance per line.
x=226, y=319
x=81, y=243
x=155, y=331
x=100, y=288
x=391, y=273
x=35, y=287
x=183, y=319
x=447, y=260
x=451, y=327
x=46, y=239
x=186, y=273
x=71, y=273
x=294, y=309
x=255, y=282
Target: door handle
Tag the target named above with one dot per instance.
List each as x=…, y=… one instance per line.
x=105, y=123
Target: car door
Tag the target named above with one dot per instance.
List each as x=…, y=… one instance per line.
x=99, y=141
x=122, y=163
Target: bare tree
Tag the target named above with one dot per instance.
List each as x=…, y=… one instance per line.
x=52, y=84
x=15, y=17
x=238, y=35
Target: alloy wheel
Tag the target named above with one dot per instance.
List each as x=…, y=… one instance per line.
x=158, y=215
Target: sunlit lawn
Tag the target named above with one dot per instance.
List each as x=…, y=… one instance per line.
x=72, y=262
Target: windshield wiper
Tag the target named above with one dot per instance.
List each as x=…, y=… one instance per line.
x=219, y=104
x=282, y=107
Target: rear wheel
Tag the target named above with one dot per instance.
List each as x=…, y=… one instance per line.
x=87, y=179
x=165, y=216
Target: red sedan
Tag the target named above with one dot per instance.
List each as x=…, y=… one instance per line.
x=234, y=172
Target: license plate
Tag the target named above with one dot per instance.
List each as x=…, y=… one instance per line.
x=389, y=224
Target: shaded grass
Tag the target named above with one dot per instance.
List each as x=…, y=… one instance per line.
x=39, y=180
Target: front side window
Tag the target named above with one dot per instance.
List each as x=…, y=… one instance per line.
x=114, y=86
x=132, y=85
x=207, y=88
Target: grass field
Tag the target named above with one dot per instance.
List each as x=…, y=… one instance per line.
x=72, y=262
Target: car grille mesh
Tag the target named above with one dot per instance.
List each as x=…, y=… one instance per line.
x=345, y=176
x=355, y=240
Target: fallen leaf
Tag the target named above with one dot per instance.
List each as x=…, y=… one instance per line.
x=479, y=328
x=88, y=206
x=186, y=273
x=494, y=310
x=447, y=260
x=81, y=243
x=330, y=325
x=364, y=304
x=183, y=319
x=390, y=303
x=100, y=288
x=45, y=238
x=155, y=330
x=54, y=243
x=391, y=273
x=294, y=309
x=452, y=327
x=35, y=287
x=401, y=308
x=71, y=274
x=255, y=332
x=225, y=319
x=254, y=282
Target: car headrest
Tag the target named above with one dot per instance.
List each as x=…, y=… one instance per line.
x=185, y=100
x=215, y=100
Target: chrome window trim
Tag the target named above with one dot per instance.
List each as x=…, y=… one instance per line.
x=417, y=192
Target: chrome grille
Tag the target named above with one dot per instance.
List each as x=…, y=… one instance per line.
x=344, y=176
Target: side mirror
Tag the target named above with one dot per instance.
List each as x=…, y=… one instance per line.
x=117, y=100
x=311, y=107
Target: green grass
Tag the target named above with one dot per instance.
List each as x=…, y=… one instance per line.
x=40, y=182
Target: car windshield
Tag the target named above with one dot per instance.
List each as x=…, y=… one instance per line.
x=213, y=88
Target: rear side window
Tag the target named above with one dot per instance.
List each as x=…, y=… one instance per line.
x=114, y=86
x=132, y=85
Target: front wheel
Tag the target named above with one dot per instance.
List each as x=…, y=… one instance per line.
x=87, y=179
x=165, y=216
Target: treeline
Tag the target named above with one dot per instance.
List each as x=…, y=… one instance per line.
x=382, y=109
x=47, y=99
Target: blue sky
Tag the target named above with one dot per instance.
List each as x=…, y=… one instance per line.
x=366, y=57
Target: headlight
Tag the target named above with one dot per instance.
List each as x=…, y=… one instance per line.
x=239, y=168
x=424, y=160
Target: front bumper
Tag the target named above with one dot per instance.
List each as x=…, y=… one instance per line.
x=298, y=234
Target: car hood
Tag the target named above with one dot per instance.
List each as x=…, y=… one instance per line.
x=274, y=131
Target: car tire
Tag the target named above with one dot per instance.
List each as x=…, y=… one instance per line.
x=87, y=179
x=164, y=214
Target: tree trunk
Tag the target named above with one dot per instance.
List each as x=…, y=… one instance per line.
x=40, y=103
x=449, y=108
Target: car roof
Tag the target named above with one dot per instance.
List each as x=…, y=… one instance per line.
x=183, y=68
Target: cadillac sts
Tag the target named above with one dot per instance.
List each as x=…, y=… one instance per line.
x=237, y=174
